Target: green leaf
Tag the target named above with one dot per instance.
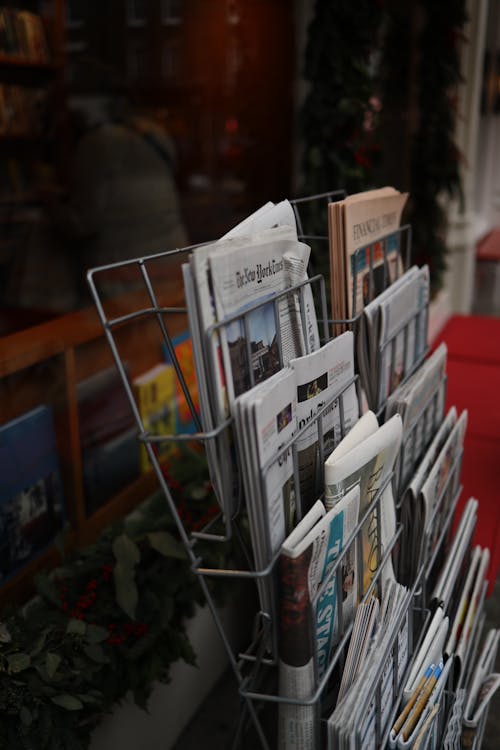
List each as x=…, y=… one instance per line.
x=166, y=545
x=126, y=551
x=96, y=653
x=76, y=627
x=40, y=642
x=52, y=662
x=18, y=662
x=96, y=634
x=69, y=702
x=25, y=716
x=126, y=592
x=47, y=589
x=89, y=699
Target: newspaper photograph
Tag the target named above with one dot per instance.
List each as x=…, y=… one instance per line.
x=323, y=377
x=262, y=340
x=368, y=465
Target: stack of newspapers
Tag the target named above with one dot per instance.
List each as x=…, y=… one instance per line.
x=373, y=671
x=348, y=501
x=392, y=336
x=365, y=248
x=339, y=553
x=244, y=324
x=445, y=660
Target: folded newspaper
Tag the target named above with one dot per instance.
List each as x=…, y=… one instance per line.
x=326, y=400
x=485, y=682
x=392, y=336
x=308, y=598
x=420, y=402
x=361, y=716
x=365, y=458
x=243, y=331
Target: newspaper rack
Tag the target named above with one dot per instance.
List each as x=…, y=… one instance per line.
x=261, y=655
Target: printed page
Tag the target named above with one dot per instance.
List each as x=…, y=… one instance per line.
x=320, y=378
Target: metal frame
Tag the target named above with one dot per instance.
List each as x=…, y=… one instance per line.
x=257, y=656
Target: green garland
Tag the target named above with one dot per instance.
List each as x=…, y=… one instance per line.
x=110, y=620
x=339, y=114
x=370, y=84
x=435, y=158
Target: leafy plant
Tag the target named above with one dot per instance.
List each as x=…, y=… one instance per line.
x=109, y=621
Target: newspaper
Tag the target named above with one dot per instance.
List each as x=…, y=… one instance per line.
x=323, y=377
x=420, y=402
x=360, y=221
x=265, y=422
x=366, y=459
x=392, y=335
x=440, y=488
x=457, y=555
x=361, y=714
x=483, y=686
x=266, y=217
x=220, y=279
x=305, y=562
x=412, y=506
x=419, y=725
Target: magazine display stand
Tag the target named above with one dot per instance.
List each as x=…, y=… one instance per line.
x=255, y=669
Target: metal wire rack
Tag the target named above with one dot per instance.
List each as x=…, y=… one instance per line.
x=261, y=655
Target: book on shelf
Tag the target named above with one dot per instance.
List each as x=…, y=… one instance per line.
x=108, y=437
x=22, y=34
x=361, y=264
x=154, y=391
x=183, y=349
x=32, y=508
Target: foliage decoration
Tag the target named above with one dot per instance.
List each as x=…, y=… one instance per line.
x=109, y=621
x=339, y=114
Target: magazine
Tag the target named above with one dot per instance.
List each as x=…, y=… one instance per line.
x=323, y=377
x=361, y=264
x=368, y=462
x=306, y=624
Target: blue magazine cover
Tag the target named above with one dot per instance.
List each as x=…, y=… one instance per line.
x=31, y=496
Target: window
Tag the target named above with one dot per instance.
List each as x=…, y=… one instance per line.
x=170, y=60
x=137, y=60
x=136, y=12
x=171, y=12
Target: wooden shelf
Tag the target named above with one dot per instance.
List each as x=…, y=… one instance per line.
x=17, y=61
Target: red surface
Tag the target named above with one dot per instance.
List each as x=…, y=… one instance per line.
x=489, y=247
x=474, y=384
